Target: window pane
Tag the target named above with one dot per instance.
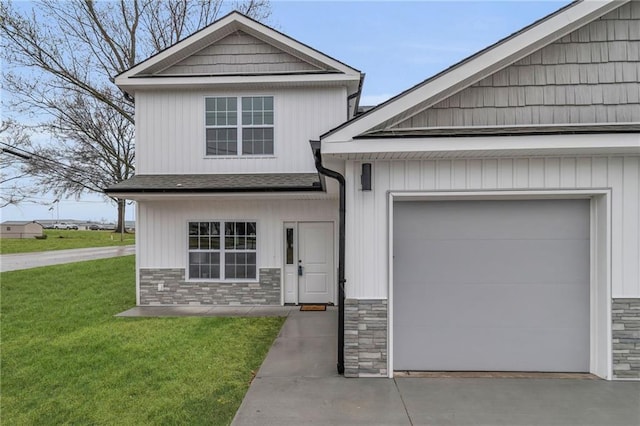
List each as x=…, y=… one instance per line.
x=257, y=118
x=241, y=258
x=246, y=118
x=193, y=228
x=251, y=258
x=268, y=117
x=240, y=243
x=203, y=228
x=289, y=246
x=240, y=228
x=229, y=271
x=241, y=271
x=194, y=271
x=251, y=271
x=205, y=271
x=251, y=243
x=229, y=228
x=268, y=103
x=232, y=118
x=215, y=243
x=204, y=243
x=246, y=104
x=215, y=271
x=229, y=243
x=215, y=228
x=251, y=228
x=193, y=243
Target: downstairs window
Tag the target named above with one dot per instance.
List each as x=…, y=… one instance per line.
x=222, y=250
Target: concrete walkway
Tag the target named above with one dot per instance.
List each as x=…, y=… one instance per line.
x=14, y=262
x=298, y=384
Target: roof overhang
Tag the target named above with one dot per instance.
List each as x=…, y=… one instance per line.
x=326, y=79
x=179, y=186
x=435, y=147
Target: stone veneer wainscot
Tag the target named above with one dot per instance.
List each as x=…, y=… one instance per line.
x=177, y=291
x=625, y=315
x=365, y=338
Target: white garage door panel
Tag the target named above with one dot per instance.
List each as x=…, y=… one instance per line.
x=491, y=285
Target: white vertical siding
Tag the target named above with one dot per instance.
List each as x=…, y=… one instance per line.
x=367, y=221
x=170, y=131
x=163, y=225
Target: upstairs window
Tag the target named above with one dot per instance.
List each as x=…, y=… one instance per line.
x=245, y=132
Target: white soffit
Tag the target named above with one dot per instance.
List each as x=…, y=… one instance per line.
x=485, y=146
x=477, y=67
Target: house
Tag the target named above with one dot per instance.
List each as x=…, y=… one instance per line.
x=20, y=229
x=486, y=219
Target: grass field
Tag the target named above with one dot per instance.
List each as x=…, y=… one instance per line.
x=67, y=360
x=58, y=239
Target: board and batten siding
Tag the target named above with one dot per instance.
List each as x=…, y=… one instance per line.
x=162, y=225
x=367, y=218
x=239, y=53
x=589, y=76
x=170, y=131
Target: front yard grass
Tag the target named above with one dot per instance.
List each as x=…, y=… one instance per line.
x=58, y=239
x=67, y=360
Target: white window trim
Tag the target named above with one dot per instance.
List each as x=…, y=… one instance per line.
x=239, y=126
x=222, y=251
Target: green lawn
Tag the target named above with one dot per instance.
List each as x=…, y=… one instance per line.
x=64, y=239
x=67, y=360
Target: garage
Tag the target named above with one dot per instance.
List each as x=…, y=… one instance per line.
x=491, y=285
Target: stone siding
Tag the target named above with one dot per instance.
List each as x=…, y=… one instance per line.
x=365, y=338
x=169, y=287
x=626, y=338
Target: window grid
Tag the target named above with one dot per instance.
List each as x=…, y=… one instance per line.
x=253, y=134
x=222, y=250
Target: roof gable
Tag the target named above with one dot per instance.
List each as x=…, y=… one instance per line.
x=235, y=46
x=474, y=69
x=588, y=76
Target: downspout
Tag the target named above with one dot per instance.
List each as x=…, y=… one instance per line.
x=315, y=147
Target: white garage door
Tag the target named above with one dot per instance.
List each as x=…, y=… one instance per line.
x=491, y=285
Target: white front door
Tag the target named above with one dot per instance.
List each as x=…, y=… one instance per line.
x=316, y=275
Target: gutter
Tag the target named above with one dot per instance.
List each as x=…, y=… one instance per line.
x=315, y=147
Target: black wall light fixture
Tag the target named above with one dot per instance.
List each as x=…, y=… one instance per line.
x=365, y=177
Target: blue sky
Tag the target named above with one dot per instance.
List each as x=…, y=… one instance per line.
x=397, y=44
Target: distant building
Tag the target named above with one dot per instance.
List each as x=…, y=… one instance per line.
x=20, y=229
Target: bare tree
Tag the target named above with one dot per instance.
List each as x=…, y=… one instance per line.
x=61, y=58
x=13, y=186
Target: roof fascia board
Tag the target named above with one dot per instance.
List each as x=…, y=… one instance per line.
x=629, y=142
x=236, y=21
x=166, y=196
x=208, y=81
x=473, y=69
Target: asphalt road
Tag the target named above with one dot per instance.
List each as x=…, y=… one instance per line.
x=14, y=262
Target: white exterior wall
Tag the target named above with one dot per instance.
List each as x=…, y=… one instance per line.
x=170, y=130
x=162, y=225
x=367, y=218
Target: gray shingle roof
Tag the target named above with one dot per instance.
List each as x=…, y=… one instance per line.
x=506, y=130
x=271, y=182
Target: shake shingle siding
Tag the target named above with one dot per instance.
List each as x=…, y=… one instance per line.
x=239, y=53
x=589, y=76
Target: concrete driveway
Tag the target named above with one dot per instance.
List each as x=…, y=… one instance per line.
x=14, y=262
x=298, y=384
